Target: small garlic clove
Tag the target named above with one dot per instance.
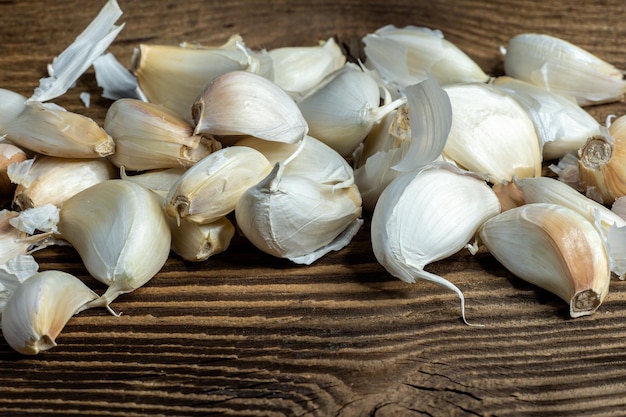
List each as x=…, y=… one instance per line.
x=211, y=188
x=491, y=134
x=555, y=248
x=9, y=154
x=293, y=217
x=198, y=242
x=52, y=180
x=563, y=68
x=51, y=130
x=150, y=136
x=427, y=215
x=39, y=309
x=244, y=103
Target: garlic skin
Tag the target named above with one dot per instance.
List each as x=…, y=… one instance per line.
x=294, y=217
x=298, y=69
x=491, y=133
x=150, y=136
x=211, y=188
x=158, y=180
x=427, y=215
x=52, y=180
x=51, y=130
x=113, y=225
x=563, y=68
x=11, y=105
x=9, y=154
x=39, y=309
x=555, y=248
x=405, y=56
x=243, y=103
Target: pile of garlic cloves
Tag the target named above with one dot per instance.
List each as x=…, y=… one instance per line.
x=288, y=147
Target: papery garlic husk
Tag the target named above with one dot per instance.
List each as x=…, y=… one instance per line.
x=555, y=248
x=158, y=180
x=491, y=134
x=52, y=180
x=12, y=273
x=174, y=76
x=562, y=125
x=120, y=232
x=344, y=107
x=311, y=158
x=610, y=225
x=198, y=242
x=51, y=130
x=9, y=154
x=243, y=103
x=563, y=68
x=116, y=81
x=39, y=309
x=150, y=136
x=293, y=217
x=427, y=215
x=298, y=69
x=15, y=242
x=11, y=105
x=211, y=188
x=405, y=56
x=601, y=167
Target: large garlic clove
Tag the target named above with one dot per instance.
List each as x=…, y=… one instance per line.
x=9, y=154
x=243, y=103
x=293, y=217
x=344, y=107
x=555, y=248
x=52, y=180
x=211, y=188
x=562, y=125
x=427, y=215
x=407, y=55
x=39, y=309
x=298, y=69
x=563, y=68
x=491, y=133
x=113, y=225
x=51, y=130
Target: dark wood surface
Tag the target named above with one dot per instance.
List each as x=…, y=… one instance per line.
x=247, y=334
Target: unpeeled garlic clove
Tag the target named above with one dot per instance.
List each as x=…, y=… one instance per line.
x=242, y=103
x=39, y=309
x=555, y=248
x=150, y=136
x=211, y=188
x=563, y=68
x=158, y=180
x=293, y=217
x=9, y=154
x=52, y=180
x=198, y=242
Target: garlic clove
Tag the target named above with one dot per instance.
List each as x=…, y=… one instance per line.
x=244, y=103
x=210, y=189
x=563, y=68
x=40, y=307
x=15, y=242
x=150, y=136
x=198, y=242
x=158, y=180
x=491, y=134
x=9, y=154
x=51, y=130
x=293, y=217
x=555, y=248
x=52, y=180
x=427, y=215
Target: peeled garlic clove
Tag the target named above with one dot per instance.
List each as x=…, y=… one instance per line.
x=427, y=215
x=51, y=130
x=297, y=69
x=491, y=133
x=113, y=225
x=52, y=180
x=150, y=136
x=555, y=248
x=39, y=309
x=211, y=188
x=563, y=68
x=11, y=105
x=344, y=107
x=407, y=55
x=562, y=125
x=296, y=218
x=9, y=154
x=198, y=242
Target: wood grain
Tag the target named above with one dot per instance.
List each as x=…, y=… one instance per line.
x=244, y=334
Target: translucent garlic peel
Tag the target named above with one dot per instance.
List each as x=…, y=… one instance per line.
x=115, y=80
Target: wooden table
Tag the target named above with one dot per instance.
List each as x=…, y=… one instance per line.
x=246, y=334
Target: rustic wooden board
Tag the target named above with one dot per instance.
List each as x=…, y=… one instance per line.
x=247, y=334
